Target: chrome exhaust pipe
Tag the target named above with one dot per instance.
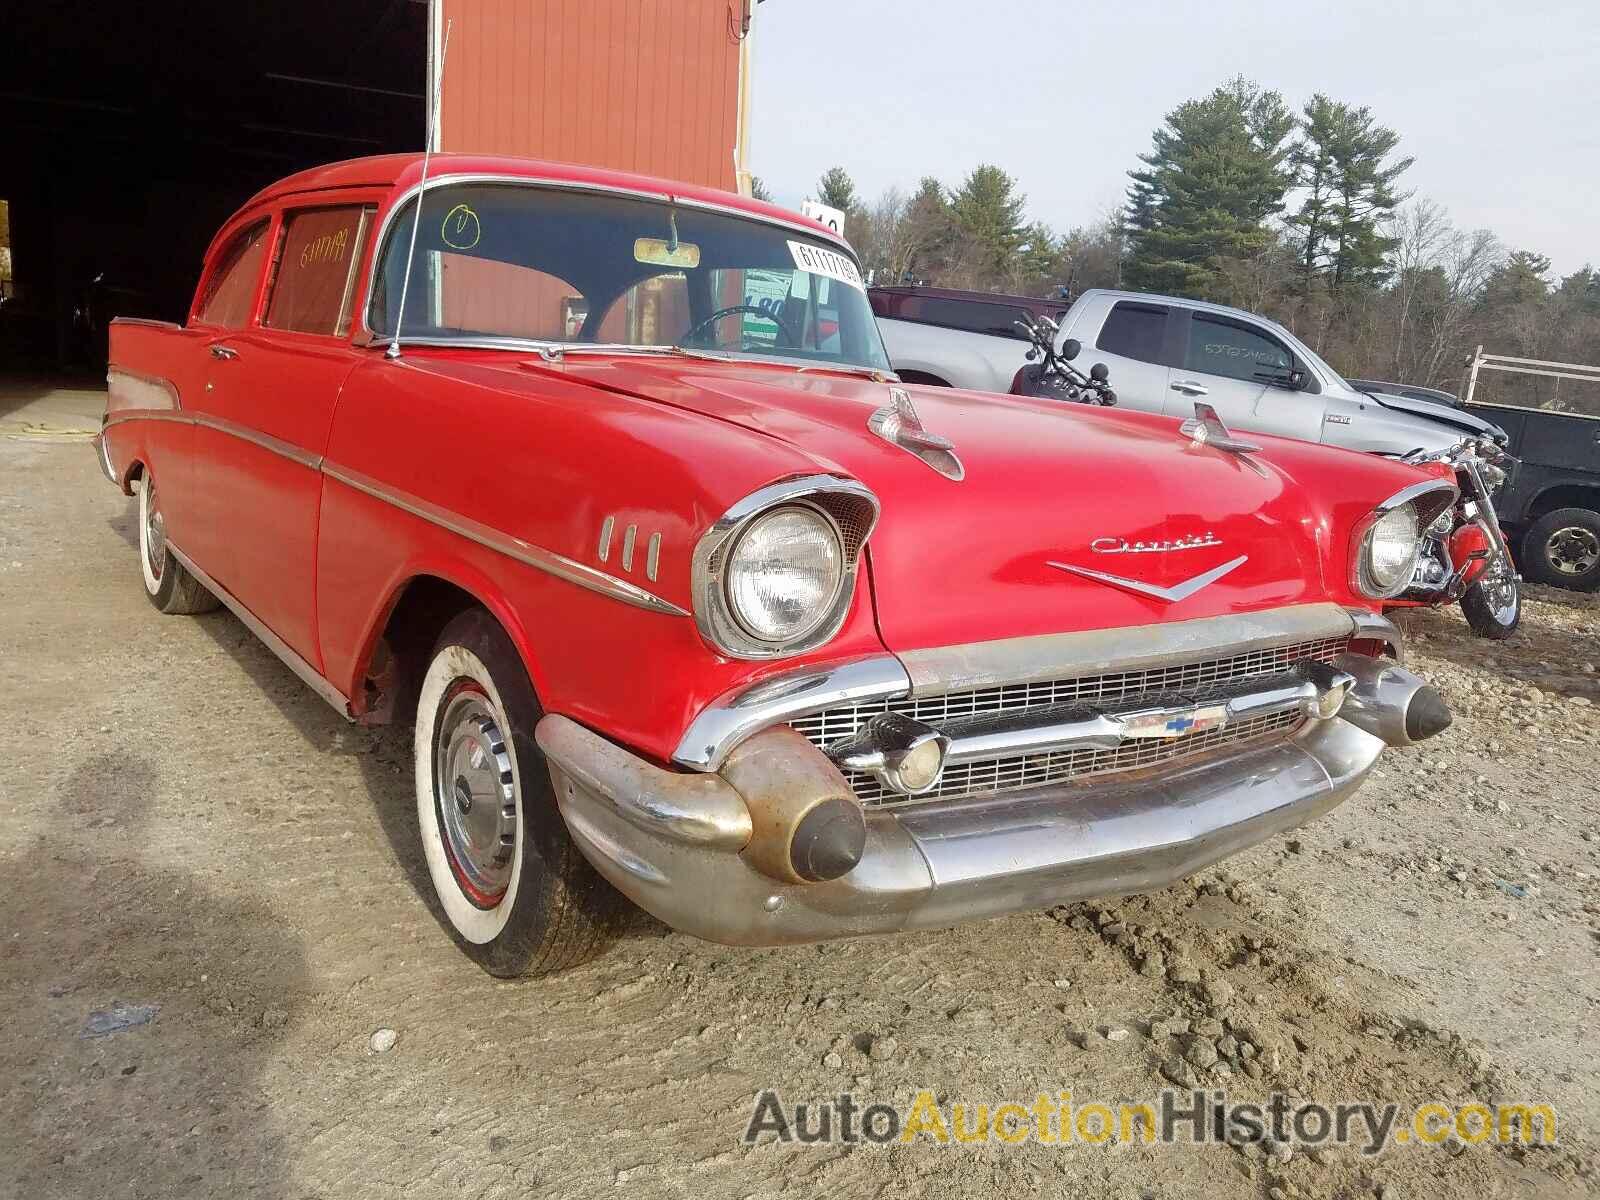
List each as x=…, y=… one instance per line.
x=1390, y=702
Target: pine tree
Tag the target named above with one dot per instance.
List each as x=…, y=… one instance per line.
x=1217, y=171
x=758, y=189
x=1311, y=159
x=837, y=190
x=1364, y=196
x=988, y=209
x=929, y=230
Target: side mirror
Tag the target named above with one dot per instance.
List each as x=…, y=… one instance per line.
x=1099, y=372
x=1070, y=349
x=1297, y=379
x=1031, y=354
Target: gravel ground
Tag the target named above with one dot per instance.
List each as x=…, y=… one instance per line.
x=215, y=920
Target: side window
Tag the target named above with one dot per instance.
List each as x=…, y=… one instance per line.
x=974, y=316
x=1134, y=331
x=1237, y=351
x=232, y=285
x=314, y=276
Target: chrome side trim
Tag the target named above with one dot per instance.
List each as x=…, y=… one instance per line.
x=145, y=414
x=524, y=552
x=309, y=675
x=515, y=548
x=938, y=670
x=266, y=441
x=717, y=625
x=734, y=716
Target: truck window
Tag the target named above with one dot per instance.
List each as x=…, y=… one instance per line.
x=314, y=276
x=232, y=286
x=1218, y=346
x=973, y=316
x=1134, y=331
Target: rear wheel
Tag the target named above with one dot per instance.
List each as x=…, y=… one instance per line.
x=168, y=584
x=1563, y=548
x=517, y=893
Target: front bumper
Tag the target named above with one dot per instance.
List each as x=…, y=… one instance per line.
x=672, y=843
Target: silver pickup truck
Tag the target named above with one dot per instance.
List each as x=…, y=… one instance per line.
x=1164, y=353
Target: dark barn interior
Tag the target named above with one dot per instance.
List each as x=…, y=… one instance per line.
x=131, y=131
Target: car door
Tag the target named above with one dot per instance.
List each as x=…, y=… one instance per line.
x=1247, y=373
x=225, y=305
x=275, y=386
x=1133, y=341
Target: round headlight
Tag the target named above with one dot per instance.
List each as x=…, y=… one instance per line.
x=1389, y=554
x=784, y=573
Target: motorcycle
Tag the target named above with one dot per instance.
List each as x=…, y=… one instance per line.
x=1049, y=373
x=1465, y=558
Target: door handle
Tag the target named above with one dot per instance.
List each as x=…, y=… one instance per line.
x=225, y=353
x=1189, y=387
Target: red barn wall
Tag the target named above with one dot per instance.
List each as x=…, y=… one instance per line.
x=638, y=85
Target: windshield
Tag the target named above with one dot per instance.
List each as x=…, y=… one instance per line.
x=507, y=260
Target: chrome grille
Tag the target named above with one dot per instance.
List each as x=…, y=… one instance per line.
x=1124, y=690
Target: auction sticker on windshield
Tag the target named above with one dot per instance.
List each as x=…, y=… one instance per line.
x=827, y=263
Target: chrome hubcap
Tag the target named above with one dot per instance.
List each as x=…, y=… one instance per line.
x=475, y=794
x=1573, y=550
x=155, y=530
x=1503, y=592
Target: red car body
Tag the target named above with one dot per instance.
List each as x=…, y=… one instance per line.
x=313, y=480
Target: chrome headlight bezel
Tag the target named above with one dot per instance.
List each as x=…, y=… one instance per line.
x=851, y=511
x=1423, y=503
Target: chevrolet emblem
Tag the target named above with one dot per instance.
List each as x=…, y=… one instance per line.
x=1173, y=722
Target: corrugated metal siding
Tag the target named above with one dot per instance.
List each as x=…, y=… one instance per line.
x=638, y=85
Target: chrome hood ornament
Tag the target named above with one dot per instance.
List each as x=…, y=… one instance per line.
x=1206, y=429
x=898, y=424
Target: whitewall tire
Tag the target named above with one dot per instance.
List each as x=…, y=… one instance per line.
x=512, y=886
x=168, y=584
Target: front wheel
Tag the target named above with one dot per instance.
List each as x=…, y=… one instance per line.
x=1493, y=605
x=517, y=893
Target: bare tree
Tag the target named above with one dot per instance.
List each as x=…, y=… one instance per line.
x=1467, y=262
x=1420, y=232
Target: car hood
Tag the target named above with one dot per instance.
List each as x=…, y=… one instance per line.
x=1051, y=490
x=1444, y=414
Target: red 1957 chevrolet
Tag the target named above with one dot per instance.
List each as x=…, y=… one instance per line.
x=606, y=483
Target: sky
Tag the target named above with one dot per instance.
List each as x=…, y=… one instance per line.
x=1499, y=103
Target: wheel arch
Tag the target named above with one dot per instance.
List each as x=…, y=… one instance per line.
x=1567, y=494
x=403, y=629
x=915, y=375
